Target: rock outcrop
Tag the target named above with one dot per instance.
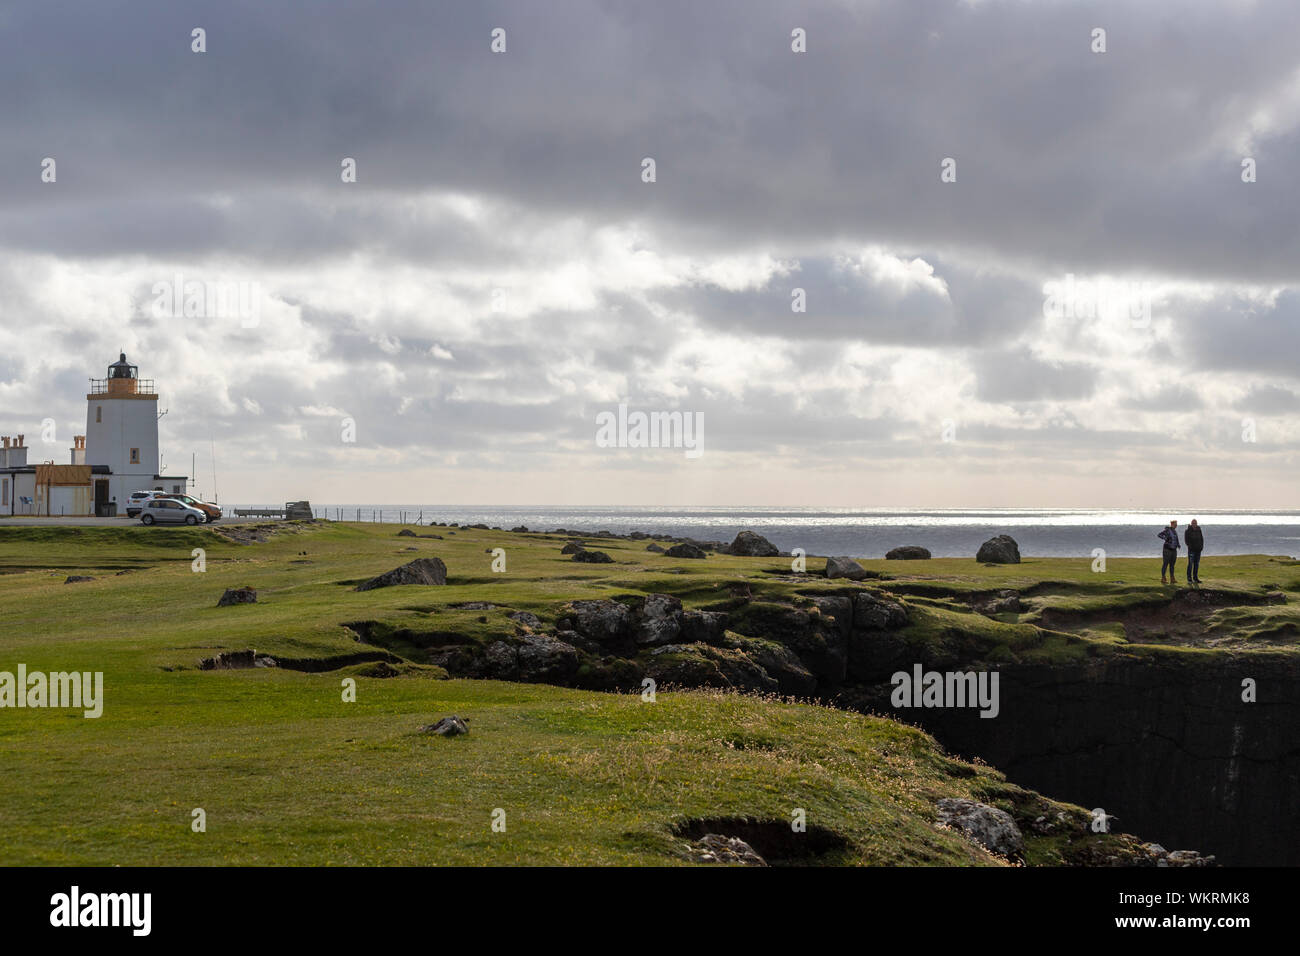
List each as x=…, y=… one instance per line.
x=659, y=621
x=715, y=848
x=237, y=660
x=426, y=571
x=991, y=828
x=531, y=658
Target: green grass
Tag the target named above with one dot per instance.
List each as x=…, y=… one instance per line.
x=288, y=773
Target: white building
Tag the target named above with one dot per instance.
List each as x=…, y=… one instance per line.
x=117, y=455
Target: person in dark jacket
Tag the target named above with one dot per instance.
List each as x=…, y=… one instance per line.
x=1170, y=537
x=1195, y=542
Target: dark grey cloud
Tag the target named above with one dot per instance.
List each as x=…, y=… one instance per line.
x=1170, y=398
x=1017, y=375
x=1236, y=334
x=1066, y=158
x=1270, y=400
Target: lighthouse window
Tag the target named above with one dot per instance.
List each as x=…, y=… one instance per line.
x=135, y=456
x=99, y=413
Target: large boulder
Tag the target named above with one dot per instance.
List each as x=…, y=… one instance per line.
x=843, y=567
x=908, y=552
x=593, y=557
x=751, y=545
x=573, y=547
x=685, y=550
x=1000, y=550
x=988, y=826
x=420, y=571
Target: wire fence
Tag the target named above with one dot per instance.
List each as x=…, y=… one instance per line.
x=376, y=513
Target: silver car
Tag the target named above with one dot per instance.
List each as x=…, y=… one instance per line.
x=169, y=510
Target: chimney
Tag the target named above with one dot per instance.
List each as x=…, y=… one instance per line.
x=20, y=441
x=5, y=439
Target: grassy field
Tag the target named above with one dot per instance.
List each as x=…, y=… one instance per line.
x=289, y=773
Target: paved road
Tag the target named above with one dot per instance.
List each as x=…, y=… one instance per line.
x=84, y=522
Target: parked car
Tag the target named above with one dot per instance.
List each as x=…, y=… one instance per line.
x=170, y=511
x=136, y=500
x=211, y=511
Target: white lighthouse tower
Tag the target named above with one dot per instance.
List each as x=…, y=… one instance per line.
x=122, y=434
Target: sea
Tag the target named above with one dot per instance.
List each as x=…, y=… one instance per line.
x=870, y=532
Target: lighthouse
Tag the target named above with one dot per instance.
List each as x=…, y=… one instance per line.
x=122, y=436
x=117, y=455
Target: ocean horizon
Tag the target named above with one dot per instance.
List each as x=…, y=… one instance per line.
x=870, y=532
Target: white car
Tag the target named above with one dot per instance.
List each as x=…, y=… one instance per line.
x=135, y=501
x=170, y=511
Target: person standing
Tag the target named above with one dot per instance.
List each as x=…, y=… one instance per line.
x=1195, y=542
x=1170, y=537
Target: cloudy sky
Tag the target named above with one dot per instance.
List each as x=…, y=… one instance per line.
x=1096, y=311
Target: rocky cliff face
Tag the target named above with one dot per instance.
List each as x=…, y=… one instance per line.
x=1168, y=746
x=1160, y=740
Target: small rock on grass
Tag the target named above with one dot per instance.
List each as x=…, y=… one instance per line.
x=237, y=596
x=452, y=726
x=686, y=550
